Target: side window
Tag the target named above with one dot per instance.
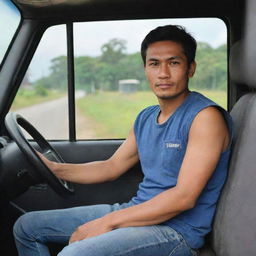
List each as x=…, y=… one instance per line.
x=110, y=83
x=110, y=86
x=42, y=97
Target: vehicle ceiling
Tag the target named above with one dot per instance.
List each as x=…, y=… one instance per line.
x=60, y=10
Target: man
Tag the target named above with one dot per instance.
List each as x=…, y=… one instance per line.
x=183, y=146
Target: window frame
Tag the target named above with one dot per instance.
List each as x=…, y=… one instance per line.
x=71, y=82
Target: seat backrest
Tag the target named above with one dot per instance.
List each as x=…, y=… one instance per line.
x=234, y=228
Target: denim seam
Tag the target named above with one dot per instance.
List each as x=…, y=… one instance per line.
x=38, y=236
x=176, y=248
x=191, y=249
x=38, y=249
x=140, y=247
x=45, y=234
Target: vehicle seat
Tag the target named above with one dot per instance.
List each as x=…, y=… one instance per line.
x=234, y=227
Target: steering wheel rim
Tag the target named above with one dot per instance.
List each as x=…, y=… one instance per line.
x=13, y=122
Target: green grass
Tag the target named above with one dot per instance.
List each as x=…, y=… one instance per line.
x=26, y=98
x=112, y=113
x=219, y=97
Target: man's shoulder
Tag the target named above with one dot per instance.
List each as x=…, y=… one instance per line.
x=212, y=122
x=200, y=103
x=203, y=109
x=211, y=112
x=212, y=116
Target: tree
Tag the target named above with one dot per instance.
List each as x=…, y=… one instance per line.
x=132, y=68
x=57, y=79
x=113, y=51
x=104, y=72
x=112, y=54
x=88, y=73
x=58, y=75
x=211, y=67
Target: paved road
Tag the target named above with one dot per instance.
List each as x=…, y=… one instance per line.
x=51, y=119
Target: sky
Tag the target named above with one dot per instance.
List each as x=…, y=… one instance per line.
x=212, y=31
x=90, y=36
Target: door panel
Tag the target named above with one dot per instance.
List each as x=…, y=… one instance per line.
x=121, y=190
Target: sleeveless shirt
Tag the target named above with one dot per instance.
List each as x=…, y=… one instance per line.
x=161, y=149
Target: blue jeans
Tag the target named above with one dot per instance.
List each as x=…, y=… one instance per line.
x=34, y=230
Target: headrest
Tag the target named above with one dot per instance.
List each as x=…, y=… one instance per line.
x=243, y=52
x=243, y=63
x=235, y=63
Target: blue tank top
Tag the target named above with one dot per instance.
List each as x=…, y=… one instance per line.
x=161, y=150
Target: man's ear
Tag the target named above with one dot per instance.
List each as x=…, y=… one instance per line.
x=192, y=69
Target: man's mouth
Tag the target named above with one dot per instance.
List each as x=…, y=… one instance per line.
x=164, y=85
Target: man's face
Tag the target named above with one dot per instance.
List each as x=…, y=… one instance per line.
x=167, y=69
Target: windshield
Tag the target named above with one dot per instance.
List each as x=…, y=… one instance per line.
x=9, y=21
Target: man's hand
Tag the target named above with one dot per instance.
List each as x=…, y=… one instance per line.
x=91, y=229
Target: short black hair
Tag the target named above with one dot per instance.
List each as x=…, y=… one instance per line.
x=173, y=33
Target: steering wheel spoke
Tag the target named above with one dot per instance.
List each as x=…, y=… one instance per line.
x=52, y=156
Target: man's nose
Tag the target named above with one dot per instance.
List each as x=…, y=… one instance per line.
x=164, y=71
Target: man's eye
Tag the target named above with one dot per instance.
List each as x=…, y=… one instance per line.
x=174, y=63
x=155, y=63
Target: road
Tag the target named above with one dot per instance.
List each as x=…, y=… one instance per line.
x=51, y=119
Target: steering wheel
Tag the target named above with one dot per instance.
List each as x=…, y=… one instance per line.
x=13, y=122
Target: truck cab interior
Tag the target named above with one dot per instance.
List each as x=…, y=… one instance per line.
x=27, y=185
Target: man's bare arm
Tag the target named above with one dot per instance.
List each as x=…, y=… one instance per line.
x=99, y=171
x=208, y=138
